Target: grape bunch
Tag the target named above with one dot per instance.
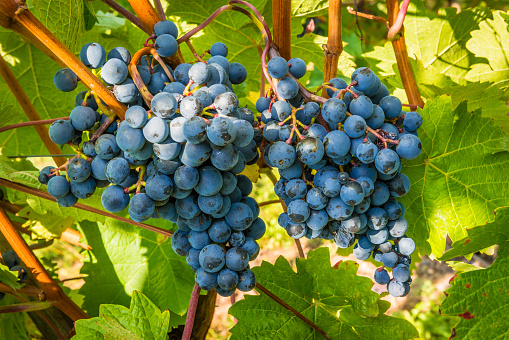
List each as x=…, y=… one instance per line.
x=179, y=159
x=340, y=165
x=13, y=262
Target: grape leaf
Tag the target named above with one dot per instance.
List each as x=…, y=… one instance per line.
x=13, y=325
x=439, y=42
x=481, y=299
x=476, y=96
x=462, y=267
x=491, y=41
x=127, y=258
x=301, y=8
x=64, y=18
x=8, y=113
x=8, y=277
x=143, y=320
x=34, y=71
x=459, y=179
x=477, y=240
x=47, y=226
x=338, y=301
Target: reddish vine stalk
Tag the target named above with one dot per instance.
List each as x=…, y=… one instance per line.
x=191, y=312
x=35, y=123
x=125, y=13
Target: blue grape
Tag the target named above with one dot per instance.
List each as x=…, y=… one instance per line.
x=220, y=61
x=363, y=206
x=338, y=210
x=245, y=133
x=204, y=97
x=126, y=92
x=244, y=184
x=316, y=199
x=65, y=80
x=199, y=239
x=316, y=131
x=82, y=118
x=277, y=67
x=252, y=247
x=334, y=111
x=360, y=253
x=262, y=104
x=310, y=150
x=67, y=201
x=295, y=171
x=206, y=280
x=121, y=53
x=390, y=259
x=227, y=279
x=361, y=106
x=167, y=149
x=280, y=110
x=221, y=131
x=176, y=126
x=235, y=196
x=195, y=154
x=212, y=258
x=106, y=147
x=93, y=55
x=224, y=209
x=377, y=118
x=331, y=187
x=336, y=144
x=352, y=193
x=393, y=210
x=323, y=174
x=398, y=227
x=140, y=156
x=382, y=277
x=45, y=174
x=98, y=167
x=193, y=259
x=61, y=132
x=412, y=121
x=167, y=211
x=240, y=216
x=181, y=73
x=114, y=199
x=225, y=158
x=186, y=177
x=298, y=211
x=144, y=73
x=387, y=161
x=237, y=259
x=180, y=243
x=337, y=83
x=229, y=183
x=158, y=82
x=163, y=105
x=210, y=182
x=187, y=207
x=401, y=273
x=78, y=170
x=399, y=185
x=377, y=236
x=226, y=103
x=406, y=246
x=238, y=73
x=159, y=187
x=287, y=88
x=247, y=280
x=352, y=224
x=409, y=146
x=166, y=27
x=114, y=71
x=364, y=170
x=219, y=231
x=256, y=230
x=199, y=73
x=367, y=185
x=210, y=204
x=355, y=126
x=281, y=155
x=382, y=92
x=90, y=102
x=297, y=67
x=190, y=107
x=141, y=207
x=175, y=87
x=296, y=188
x=166, y=45
x=219, y=48
x=271, y=131
x=58, y=186
x=380, y=194
x=194, y=130
x=129, y=139
x=111, y=128
x=396, y=289
x=366, y=152
x=201, y=222
x=392, y=106
x=317, y=219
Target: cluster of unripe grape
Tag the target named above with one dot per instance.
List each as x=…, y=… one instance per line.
x=178, y=159
x=340, y=165
x=12, y=261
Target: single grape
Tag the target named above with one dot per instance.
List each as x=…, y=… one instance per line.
x=114, y=199
x=391, y=106
x=387, y=161
x=58, y=186
x=238, y=73
x=166, y=27
x=163, y=105
x=334, y=111
x=237, y=259
x=78, y=170
x=227, y=279
x=206, y=280
x=381, y=276
x=106, y=147
x=409, y=146
x=297, y=67
x=212, y=258
x=65, y=80
x=247, y=280
x=166, y=45
x=85, y=189
x=398, y=227
x=114, y=71
x=93, y=55
x=141, y=207
x=61, y=132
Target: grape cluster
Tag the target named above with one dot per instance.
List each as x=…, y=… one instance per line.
x=168, y=161
x=13, y=262
x=340, y=166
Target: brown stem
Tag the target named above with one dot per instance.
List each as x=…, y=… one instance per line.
x=29, y=109
x=27, y=290
x=191, y=311
x=281, y=15
x=291, y=309
x=160, y=10
x=149, y=18
x=262, y=204
x=50, y=287
x=125, y=13
x=145, y=93
x=398, y=23
x=30, y=22
x=35, y=123
x=400, y=50
x=194, y=51
x=368, y=16
x=334, y=45
x=299, y=248
x=107, y=122
x=45, y=195
x=163, y=65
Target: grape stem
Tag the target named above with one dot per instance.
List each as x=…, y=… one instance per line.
x=194, y=51
x=396, y=26
x=31, y=123
x=160, y=9
x=262, y=204
x=125, y=13
x=368, y=16
x=163, y=65
x=63, y=166
x=291, y=309
x=103, y=127
x=191, y=312
x=151, y=37
x=45, y=195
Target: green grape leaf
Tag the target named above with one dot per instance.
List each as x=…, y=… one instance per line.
x=336, y=300
x=491, y=41
x=45, y=226
x=89, y=15
x=13, y=325
x=301, y=8
x=439, y=42
x=478, y=238
x=481, y=299
x=459, y=178
x=143, y=320
x=9, y=278
x=64, y=18
x=462, y=267
x=34, y=71
x=476, y=96
x=127, y=258
x=8, y=114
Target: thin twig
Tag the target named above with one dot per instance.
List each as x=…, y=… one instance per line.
x=396, y=26
x=194, y=51
x=262, y=204
x=125, y=13
x=293, y=310
x=368, y=16
x=45, y=195
x=41, y=245
x=299, y=248
x=160, y=9
x=27, y=290
x=31, y=123
x=191, y=312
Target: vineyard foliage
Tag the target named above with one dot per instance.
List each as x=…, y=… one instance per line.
x=459, y=188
